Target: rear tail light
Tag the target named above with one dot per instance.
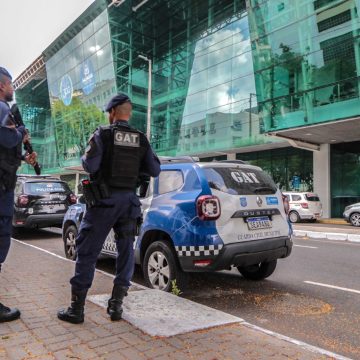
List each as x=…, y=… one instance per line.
x=22, y=200
x=304, y=205
x=73, y=198
x=286, y=204
x=208, y=207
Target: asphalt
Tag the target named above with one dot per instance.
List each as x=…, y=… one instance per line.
x=156, y=325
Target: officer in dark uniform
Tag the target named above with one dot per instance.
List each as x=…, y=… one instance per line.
x=116, y=156
x=11, y=139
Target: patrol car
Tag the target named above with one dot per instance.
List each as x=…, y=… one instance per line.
x=203, y=216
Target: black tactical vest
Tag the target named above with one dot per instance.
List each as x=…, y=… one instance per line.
x=10, y=160
x=124, y=148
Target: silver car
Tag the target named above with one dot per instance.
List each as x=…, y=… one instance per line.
x=352, y=214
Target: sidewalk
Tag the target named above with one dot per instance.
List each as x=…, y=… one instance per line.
x=331, y=229
x=37, y=283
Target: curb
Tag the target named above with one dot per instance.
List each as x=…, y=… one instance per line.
x=330, y=236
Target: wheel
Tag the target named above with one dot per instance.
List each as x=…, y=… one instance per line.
x=355, y=219
x=160, y=268
x=294, y=217
x=69, y=242
x=258, y=271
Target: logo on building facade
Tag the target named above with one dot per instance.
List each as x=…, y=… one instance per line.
x=66, y=90
x=87, y=77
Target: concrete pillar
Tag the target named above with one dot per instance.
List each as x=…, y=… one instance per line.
x=321, y=164
x=231, y=156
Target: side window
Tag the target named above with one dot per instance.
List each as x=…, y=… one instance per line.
x=170, y=180
x=296, y=197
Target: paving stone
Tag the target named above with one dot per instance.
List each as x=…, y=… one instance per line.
x=39, y=335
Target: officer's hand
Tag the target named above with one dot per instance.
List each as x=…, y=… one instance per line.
x=31, y=158
x=26, y=138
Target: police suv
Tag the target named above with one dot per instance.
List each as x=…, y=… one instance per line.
x=203, y=216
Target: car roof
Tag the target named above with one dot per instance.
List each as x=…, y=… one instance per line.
x=188, y=161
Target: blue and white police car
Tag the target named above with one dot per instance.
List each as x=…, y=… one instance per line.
x=203, y=216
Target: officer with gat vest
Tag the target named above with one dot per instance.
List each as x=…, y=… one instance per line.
x=116, y=157
x=11, y=139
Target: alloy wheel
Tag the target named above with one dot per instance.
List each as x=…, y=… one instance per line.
x=158, y=270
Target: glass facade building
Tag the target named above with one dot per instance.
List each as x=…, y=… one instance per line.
x=225, y=74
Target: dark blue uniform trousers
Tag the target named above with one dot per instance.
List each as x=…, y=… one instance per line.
x=6, y=214
x=120, y=213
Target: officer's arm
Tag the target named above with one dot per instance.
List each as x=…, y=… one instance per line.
x=91, y=160
x=11, y=137
x=151, y=163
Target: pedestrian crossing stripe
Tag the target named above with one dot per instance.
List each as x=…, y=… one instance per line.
x=206, y=250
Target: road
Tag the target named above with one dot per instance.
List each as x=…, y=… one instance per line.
x=313, y=296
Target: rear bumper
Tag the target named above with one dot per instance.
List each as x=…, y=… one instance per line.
x=242, y=254
x=38, y=221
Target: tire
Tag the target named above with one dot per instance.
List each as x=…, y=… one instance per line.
x=294, y=217
x=355, y=219
x=258, y=271
x=69, y=242
x=160, y=268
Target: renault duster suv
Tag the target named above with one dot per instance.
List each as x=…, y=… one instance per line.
x=40, y=201
x=203, y=216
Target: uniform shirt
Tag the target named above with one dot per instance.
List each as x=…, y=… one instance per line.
x=92, y=159
x=9, y=138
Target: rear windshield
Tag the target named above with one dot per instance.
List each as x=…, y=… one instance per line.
x=312, y=197
x=37, y=188
x=240, y=181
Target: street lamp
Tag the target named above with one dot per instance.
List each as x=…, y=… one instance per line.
x=148, y=123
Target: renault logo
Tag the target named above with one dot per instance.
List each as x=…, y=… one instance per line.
x=259, y=201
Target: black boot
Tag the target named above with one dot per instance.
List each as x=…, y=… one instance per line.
x=114, y=308
x=75, y=313
x=7, y=314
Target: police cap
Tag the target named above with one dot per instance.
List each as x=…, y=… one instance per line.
x=4, y=72
x=117, y=100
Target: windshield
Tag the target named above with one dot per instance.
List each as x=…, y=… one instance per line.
x=242, y=181
x=312, y=197
x=38, y=188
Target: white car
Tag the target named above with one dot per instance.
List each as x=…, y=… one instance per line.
x=303, y=206
x=352, y=214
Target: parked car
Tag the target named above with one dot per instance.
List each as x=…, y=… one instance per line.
x=352, y=214
x=203, y=217
x=40, y=201
x=303, y=206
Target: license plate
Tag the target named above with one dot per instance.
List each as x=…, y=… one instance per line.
x=51, y=209
x=262, y=222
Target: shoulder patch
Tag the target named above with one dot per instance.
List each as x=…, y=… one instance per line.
x=126, y=138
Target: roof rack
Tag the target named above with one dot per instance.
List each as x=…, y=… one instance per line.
x=233, y=161
x=31, y=176
x=178, y=159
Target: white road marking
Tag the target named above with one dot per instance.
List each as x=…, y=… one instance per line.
x=333, y=287
x=309, y=247
x=64, y=258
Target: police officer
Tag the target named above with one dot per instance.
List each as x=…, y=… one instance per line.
x=118, y=155
x=11, y=139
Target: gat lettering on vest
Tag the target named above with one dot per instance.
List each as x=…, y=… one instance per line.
x=242, y=177
x=123, y=138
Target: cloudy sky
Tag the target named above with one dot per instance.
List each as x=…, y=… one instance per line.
x=29, y=26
